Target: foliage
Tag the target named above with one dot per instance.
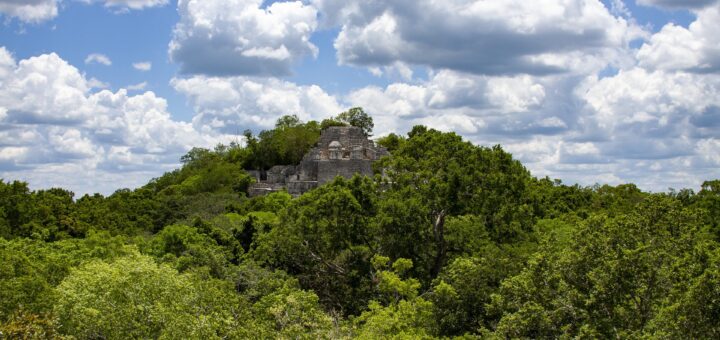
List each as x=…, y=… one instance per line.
x=29, y=269
x=405, y=315
x=185, y=248
x=137, y=298
x=434, y=175
x=286, y=144
x=448, y=240
x=24, y=325
x=612, y=278
x=326, y=232
x=357, y=117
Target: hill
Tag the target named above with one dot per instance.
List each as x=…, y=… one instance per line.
x=447, y=239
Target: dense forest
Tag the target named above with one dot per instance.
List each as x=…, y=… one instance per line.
x=448, y=239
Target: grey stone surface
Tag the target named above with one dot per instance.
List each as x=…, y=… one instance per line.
x=341, y=151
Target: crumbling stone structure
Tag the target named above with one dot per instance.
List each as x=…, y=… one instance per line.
x=342, y=151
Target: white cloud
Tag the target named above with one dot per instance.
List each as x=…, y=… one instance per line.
x=481, y=37
x=137, y=87
x=618, y=8
x=135, y=4
x=450, y=99
x=239, y=37
x=398, y=69
x=233, y=104
x=35, y=11
x=7, y=62
x=98, y=58
x=709, y=150
x=45, y=89
x=31, y=11
x=71, y=142
x=652, y=127
x=678, y=4
x=10, y=153
x=126, y=5
x=53, y=125
x=696, y=48
x=143, y=66
x=515, y=94
x=97, y=84
x=521, y=74
x=645, y=102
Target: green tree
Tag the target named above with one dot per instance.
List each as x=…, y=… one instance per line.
x=330, y=122
x=286, y=144
x=434, y=175
x=24, y=325
x=391, y=142
x=695, y=308
x=15, y=203
x=132, y=297
x=31, y=268
x=186, y=248
x=405, y=315
x=357, y=117
x=610, y=280
x=709, y=199
x=324, y=239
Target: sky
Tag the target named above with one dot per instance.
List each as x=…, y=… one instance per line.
x=97, y=95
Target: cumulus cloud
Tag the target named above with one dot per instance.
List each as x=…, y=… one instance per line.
x=137, y=87
x=650, y=103
x=558, y=85
x=232, y=104
x=696, y=48
x=678, y=4
x=7, y=62
x=35, y=11
x=239, y=37
x=142, y=66
x=652, y=120
x=135, y=4
x=32, y=11
x=480, y=37
x=53, y=125
x=453, y=101
x=656, y=124
x=97, y=58
x=652, y=127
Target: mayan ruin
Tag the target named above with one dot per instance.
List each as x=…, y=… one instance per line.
x=341, y=151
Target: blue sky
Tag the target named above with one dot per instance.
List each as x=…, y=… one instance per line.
x=96, y=95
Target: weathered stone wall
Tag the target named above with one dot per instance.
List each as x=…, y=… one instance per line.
x=308, y=169
x=279, y=173
x=261, y=189
x=297, y=188
x=328, y=170
x=273, y=177
x=255, y=174
x=348, y=136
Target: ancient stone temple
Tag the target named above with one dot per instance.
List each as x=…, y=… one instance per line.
x=342, y=151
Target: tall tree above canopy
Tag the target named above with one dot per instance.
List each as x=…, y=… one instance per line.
x=356, y=116
x=441, y=175
x=286, y=144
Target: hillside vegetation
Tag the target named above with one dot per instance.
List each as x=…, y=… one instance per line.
x=453, y=240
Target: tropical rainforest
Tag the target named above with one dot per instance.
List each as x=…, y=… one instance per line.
x=447, y=240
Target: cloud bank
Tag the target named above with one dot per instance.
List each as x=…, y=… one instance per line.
x=54, y=127
x=573, y=89
x=238, y=37
x=479, y=37
x=36, y=11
